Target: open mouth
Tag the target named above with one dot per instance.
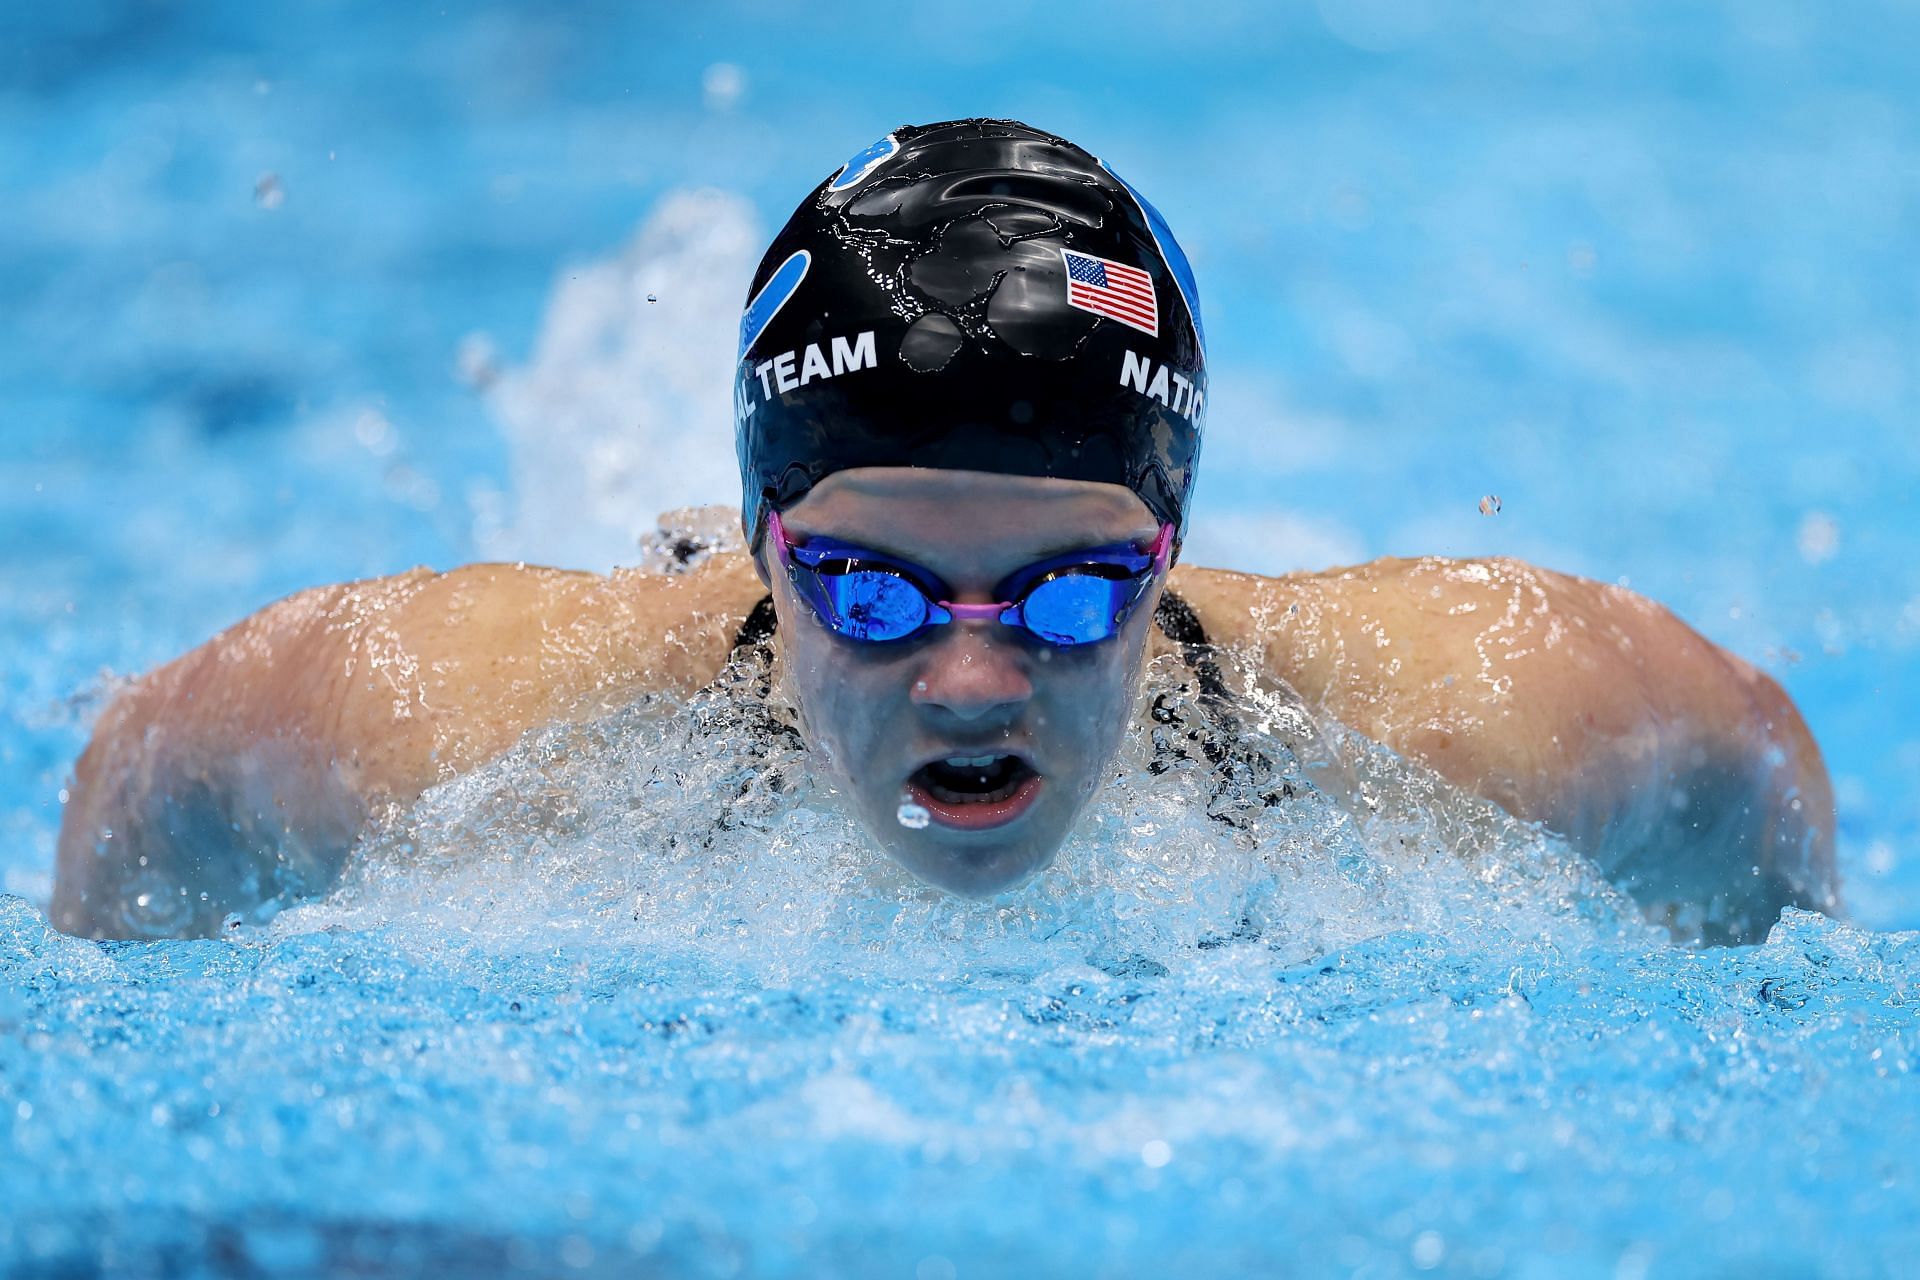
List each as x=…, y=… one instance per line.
x=972, y=779
x=975, y=791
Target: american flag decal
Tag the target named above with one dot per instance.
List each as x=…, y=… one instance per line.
x=1111, y=289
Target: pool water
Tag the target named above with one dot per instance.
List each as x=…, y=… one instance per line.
x=299, y=297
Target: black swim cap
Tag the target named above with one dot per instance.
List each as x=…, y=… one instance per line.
x=974, y=295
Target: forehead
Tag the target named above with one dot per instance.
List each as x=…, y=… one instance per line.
x=931, y=516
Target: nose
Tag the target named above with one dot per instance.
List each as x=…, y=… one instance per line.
x=972, y=674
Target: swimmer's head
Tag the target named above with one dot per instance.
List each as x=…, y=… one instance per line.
x=975, y=295
x=971, y=366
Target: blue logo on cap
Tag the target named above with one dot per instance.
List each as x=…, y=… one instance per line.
x=773, y=295
x=864, y=162
x=1176, y=258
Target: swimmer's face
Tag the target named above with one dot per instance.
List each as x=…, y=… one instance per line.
x=992, y=739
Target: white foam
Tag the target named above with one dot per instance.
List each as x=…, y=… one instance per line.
x=625, y=408
x=702, y=834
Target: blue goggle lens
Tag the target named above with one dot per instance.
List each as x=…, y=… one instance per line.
x=869, y=604
x=1074, y=599
x=1077, y=608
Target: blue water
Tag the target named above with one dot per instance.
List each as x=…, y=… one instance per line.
x=294, y=295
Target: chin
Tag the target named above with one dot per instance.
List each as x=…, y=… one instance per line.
x=976, y=872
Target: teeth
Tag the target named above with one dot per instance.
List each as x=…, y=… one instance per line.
x=982, y=779
x=945, y=796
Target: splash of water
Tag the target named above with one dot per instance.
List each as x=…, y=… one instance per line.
x=614, y=415
x=701, y=831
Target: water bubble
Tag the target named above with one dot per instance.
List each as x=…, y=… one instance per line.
x=1819, y=537
x=577, y=1252
x=1634, y=1262
x=914, y=817
x=1880, y=858
x=1155, y=1153
x=267, y=191
x=374, y=432
x=721, y=85
x=1490, y=505
x=1429, y=1247
x=684, y=538
x=653, y=297
x=476, y=362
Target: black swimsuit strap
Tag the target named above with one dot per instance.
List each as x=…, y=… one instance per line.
x=758, y=628
x=1180, y=624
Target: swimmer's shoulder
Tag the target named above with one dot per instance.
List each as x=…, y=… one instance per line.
x=1443, y=631
x=491, y=650
x=1563, y=699
x=673, y=629
x=1381, y=615
x=406, y=679
x=292, y=725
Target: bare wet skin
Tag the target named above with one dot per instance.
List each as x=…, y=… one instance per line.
x=1680, y=769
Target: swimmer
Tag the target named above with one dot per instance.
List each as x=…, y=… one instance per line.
x=969, y=406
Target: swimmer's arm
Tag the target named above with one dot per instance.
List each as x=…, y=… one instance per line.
x=246, y=769
x=1674, y=764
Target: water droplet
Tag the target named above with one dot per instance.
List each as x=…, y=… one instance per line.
x=1880, y=858
x=653, y=297
x=267, y=191
x=476, y=361
x=914, y=817
x=722, y=85
x=1155, y=1153
x=1429, y=1248
x=1819, y=537
x=374, y=432
x=935, y=1267
x=1490, y=505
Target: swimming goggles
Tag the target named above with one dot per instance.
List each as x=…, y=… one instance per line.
x=1082, y=597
